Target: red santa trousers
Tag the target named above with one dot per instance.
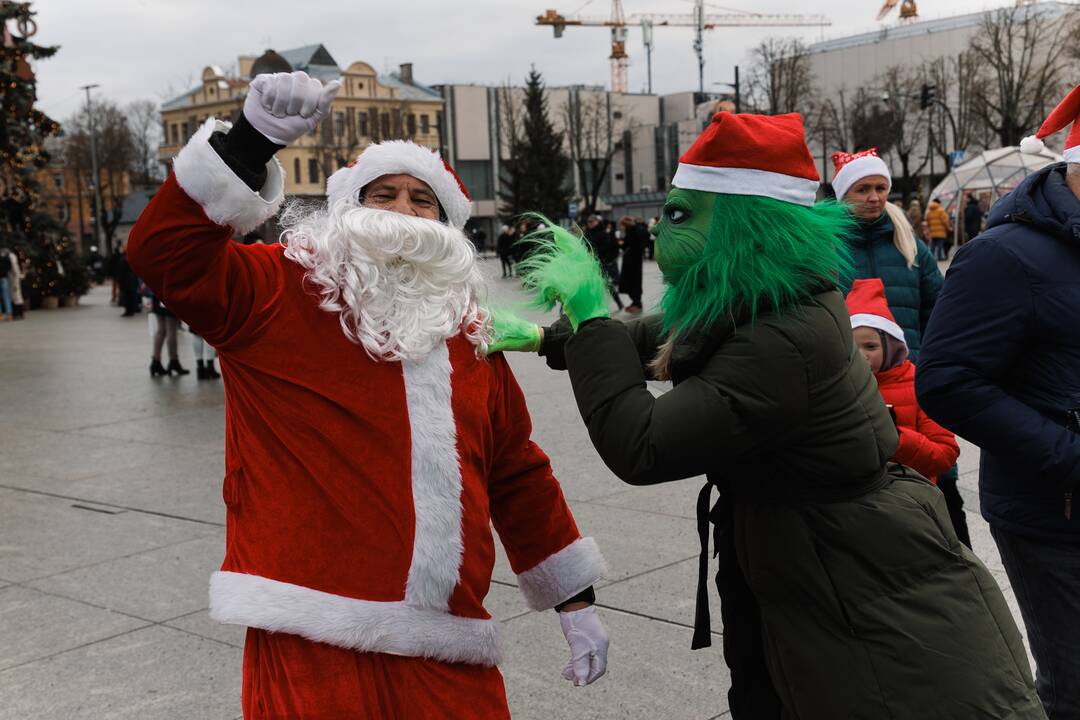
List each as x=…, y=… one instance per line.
x=287, y=676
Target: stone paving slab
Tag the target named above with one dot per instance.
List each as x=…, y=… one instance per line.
x=156, y=672
x=652, y=673
x=38, y=625
x=42, y=536
x=201, y=428
x=156, y=585
x=667, y=593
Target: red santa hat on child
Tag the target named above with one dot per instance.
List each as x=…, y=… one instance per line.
x=1067, y=111
x=853, y=167
x=407, y=158
x=747, y=154
x=868, y=308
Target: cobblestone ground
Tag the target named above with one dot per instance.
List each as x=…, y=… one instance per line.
x=111, y=521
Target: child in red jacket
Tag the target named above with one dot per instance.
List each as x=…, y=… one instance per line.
x=925, y=446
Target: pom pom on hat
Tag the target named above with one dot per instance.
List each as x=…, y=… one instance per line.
x=1067, y=111
x=1032, y=145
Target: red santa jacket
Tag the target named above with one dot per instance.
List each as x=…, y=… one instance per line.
x=360, y=494
x=925, y=446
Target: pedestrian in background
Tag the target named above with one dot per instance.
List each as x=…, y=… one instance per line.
x=204, y=358
x=915, y=218
x=650, y=246
x=940, y=225
x=1001, y=367
x=15, y=278
x=885, y=247
x=606, y=249
x=126, y=285
x=635, y=238
x=973, y=218
x=504, y=246
x=6, y=312
x=166, y=327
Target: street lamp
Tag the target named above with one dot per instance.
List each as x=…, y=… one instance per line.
x=735, y=86
x=96, y=177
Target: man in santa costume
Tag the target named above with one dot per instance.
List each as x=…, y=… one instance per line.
x=370, y=445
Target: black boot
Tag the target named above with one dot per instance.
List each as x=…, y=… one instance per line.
x=157, y=369
x=176, y=367
x=211, y=371
x=200, y=370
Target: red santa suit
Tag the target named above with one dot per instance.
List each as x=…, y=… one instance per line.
x=360, y=493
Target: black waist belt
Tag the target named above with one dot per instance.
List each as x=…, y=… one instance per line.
x=720, y=515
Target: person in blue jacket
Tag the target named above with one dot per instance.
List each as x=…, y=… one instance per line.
x=1001, y=366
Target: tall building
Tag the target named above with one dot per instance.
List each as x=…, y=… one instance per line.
x=370, y=107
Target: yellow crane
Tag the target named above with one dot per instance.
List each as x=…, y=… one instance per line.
x=909, y=11
x=699, y=20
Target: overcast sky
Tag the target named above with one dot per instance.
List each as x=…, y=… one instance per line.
x=157, y=48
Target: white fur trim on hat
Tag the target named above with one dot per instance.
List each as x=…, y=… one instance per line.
x=878, y=323
x=856, y=170
x=225, y=198
x=562, y=575
x=1072, y=155
x=746, y=181
x=401, y=156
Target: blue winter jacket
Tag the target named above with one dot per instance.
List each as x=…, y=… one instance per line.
x=911, y=292
x=1000, y=364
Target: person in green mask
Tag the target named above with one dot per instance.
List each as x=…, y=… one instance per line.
x=845, y=591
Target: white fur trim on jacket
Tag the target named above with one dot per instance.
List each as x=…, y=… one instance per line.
x=382, y=627
x=858, y=169
x=438, y=545
x=562, y=575
x=224, y=197
x=746, y=181
x=401, y=156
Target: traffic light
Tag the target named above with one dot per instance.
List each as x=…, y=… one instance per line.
x=928, y=96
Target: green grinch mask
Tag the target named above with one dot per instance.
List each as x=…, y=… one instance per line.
x=683, y=231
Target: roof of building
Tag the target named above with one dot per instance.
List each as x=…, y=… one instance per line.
x=409, y=91
x=315, y=60
x=928, y=27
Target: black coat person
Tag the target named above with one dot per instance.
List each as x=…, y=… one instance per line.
x=973, y=217
x=636, y=237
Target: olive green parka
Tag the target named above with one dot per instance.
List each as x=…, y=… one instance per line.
x=869, y=605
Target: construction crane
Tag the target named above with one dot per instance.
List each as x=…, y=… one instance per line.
x=699, y=20
x=909, y=11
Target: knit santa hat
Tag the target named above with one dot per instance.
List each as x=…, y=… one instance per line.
x=1067, y=111
x=868, y=308
x=853, y=167
x=747, y=154
x=395, y=157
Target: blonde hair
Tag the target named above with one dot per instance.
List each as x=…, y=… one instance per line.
x=903, y=235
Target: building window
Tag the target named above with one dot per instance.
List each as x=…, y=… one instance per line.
x=384, y=125
x=476, y=177
x=363, y=120
x=165, y=131
x=339, y=124
x=175, y=134
x=58, y=178
x=410, y=124
x=313, y=170
x=296, y=169
x=425, y=125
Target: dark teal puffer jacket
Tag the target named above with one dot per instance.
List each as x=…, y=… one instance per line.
x=911, y=292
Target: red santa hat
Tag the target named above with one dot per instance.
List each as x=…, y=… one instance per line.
x=1067, y=111
x=853, y=167
x=407, y=158
x=868, y=308
x=747, y=154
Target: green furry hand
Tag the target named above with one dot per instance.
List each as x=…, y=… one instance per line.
x=562, y=270
x=512, y=333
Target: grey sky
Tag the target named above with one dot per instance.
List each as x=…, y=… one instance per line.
x=153, y=48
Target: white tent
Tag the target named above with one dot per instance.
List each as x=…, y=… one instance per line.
x=994, y=172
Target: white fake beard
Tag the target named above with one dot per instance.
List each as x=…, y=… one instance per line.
x=401, y=285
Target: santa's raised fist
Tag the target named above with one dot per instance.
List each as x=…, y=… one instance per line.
x=284, y=106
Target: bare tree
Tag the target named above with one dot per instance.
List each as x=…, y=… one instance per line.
x=954, y=123
x=115, y=156
x=1022, y=54
x=904, y=124
x=144, y=122
x=780, y=79
x=594, y=139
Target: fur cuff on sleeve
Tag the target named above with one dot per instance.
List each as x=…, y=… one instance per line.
x=224, y=197
x=562, y=575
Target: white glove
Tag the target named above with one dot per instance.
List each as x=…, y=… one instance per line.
x=588, y=640
x=284, y=106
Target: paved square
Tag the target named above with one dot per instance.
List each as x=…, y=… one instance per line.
x=111, y=520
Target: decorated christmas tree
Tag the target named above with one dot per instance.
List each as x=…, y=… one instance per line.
x=42, y=244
